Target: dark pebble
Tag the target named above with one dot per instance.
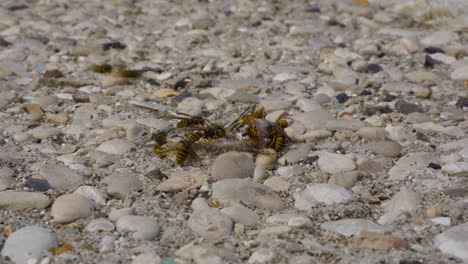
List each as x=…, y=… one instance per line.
x=153, y=82
x=39, y=185
x=310, y=160
x=434, y=166
x=313, y=9
x=389, y=98
x=113, y=45
x=180, y=84
x=4, y=43
x=406, y=108
x=342, y=97
x=17, y=7
x=155, y=174
x=180, y=97
x=432, y=50
x=462, y=102
x=429, y=62
x=421, y=136
x=384, y=109
x=456, y=192
x=374, y=68
x=365, y=92
x=404, y=261
x=369, y=110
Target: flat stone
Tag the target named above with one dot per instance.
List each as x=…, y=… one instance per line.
x=439, y=38
x=30, y=242
x=407, y=108
x=345, y=179
x=208, y=222
x=116, y=147
x=335, y=163
x=342, y=124
x=460, y=74
x=233, y=164
x=410, y=163
x=92, y=193
x=241, y=214
x=122, y=185
x=296, y=154
x=320, y=193
x=21, y=200
x=183, y=180
x=454, y=241
x=44, y=131
x=191, y=106
x=452, y=131
x=263, y=255
x=384, y=148
x=372, y=133
x=351, y=227
x=60, y=177
x=277, y=184
x=313, y=120
x=70, y=207
x=147, y=258
x=248, y=191
x=138, y=227
x=115, y=214
x=99, y=225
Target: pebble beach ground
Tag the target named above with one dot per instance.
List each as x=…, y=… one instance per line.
x=374, y=169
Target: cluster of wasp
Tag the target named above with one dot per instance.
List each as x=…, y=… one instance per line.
x=249, y=132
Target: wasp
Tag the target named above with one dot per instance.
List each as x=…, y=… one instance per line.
x=214, y=132
x=194, y=137
x=161, y=151
x=190, y=121
x=160, y=138
x=103, y=68
x=278, y=139
x=182, y=151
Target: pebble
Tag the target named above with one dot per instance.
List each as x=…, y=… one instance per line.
x=122, y=185
x=208, y=222
x=451, y=131
x=115, y=214
x=300, y=222
x=382, y=242
x=241, y=214
x=455, y=167
x=407, y=108
x=374, y=68
x=372, y=133
x=313, y=120
x=308, y=105
x=70, y=207
x=384, y=148
x=6, y=178
x=45, y=101
x=44, y=131
x=277, y=184
x=460, y=74
x=320, y=193
x=233, y=164
x=351, y=227
x=116, y=147
x=439, y=38
x=289, y=171
x=100, y=225
x=247, y=191
x=342, y=124
x=405, y=200
x=147, y=258
x=92, y=193
x=21, y=200
x=345, y=179
x=284, y=77
x=263, y=255
x=60, y=178
x=454, y=241
x=138, y=227
x=417, y=117
x=183, y=180
x=28, y=244
x=191, y=106
x=296, y=154
x=335, y=163
x=275, y=231
x=410, y=163
x=445, y=221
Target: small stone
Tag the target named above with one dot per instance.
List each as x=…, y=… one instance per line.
x=409, y=163
x=59, y=119
x=92, y=193
x=296, y=154
x=423, y=93
x=302, y=259
x=351, y=227
x=277, y=184
x=335, y=163
x=275, y=231
x=45, y=101
x=163, y=93
x=191, y=106
x=39, y=185
x=115, y=214
x=21, y=200
x=342, y=98
x=183, y=180
x=263, y=255
x=248, y=191
x=439, y=38
x=434, y=166
x=300, y=222
x=432, y=50
x=407, y=108
x=44, y=131
x=417, y=118
x=233, y=164
x=6, y=180
x=384, y=148
x=405, y=200
x=116, y=147
x=69, y=207
x=208, y=222
x=99, y=225
x=28, y=244
x=379, y=241
x=452, y=131
x=138, y=227
x=445, y=221
x=374, y=68
x=372, y=133
x=122, y=185
x=60, y=178
x=313, y=120
x=147, y=258
x=454, y=241
x=283, y=77
x=345, y=179
x=320, y=193
x=241, y=214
